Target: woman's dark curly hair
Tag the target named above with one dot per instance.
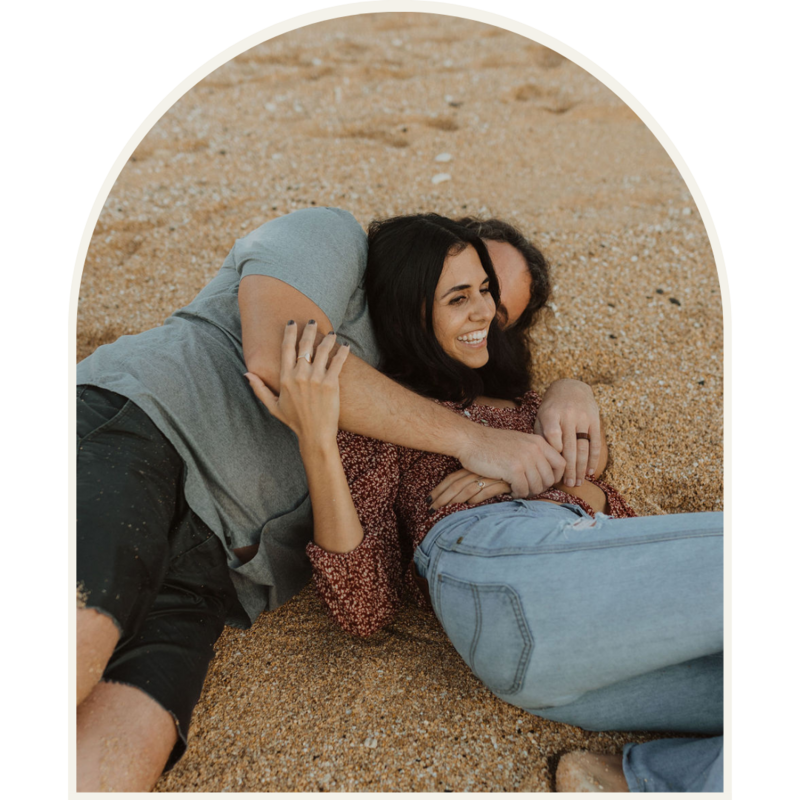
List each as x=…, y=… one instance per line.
x=405, y=259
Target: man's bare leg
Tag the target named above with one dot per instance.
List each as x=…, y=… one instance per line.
x=124, y=740
x=97, y=636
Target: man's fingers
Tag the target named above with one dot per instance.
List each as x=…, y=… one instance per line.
x=581, y=460
x=552, y=433
x=520, y=486
x=569, y=453
x=595, y=450
x=544, y=479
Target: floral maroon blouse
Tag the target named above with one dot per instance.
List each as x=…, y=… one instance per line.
x=362, y=589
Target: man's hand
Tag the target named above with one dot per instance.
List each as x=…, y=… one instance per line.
x=525, y=461
x=568, y=407
x=464, y=486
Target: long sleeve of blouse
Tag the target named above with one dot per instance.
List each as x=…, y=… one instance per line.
x=362, y=589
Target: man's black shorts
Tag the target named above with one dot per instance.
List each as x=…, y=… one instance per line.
x=145, y=559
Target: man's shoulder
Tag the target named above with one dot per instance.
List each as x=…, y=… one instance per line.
x=321, y=224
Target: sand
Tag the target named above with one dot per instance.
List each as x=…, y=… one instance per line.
x=354, y=113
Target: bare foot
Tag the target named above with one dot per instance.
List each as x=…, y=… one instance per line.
x=582, y=771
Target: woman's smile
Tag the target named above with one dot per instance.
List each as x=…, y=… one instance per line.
x=475, y=340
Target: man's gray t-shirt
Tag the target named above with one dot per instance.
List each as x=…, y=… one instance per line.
x=244, y=476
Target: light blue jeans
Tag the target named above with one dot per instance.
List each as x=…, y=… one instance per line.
x=607, y=624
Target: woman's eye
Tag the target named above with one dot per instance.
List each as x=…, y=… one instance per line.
x=456, y=301
x=486, y=290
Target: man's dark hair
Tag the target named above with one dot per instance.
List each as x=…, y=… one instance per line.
x=405, y=260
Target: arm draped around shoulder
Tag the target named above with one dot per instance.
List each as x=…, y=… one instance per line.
x=362, y=589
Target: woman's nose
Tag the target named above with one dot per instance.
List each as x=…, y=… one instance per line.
x=484, y=308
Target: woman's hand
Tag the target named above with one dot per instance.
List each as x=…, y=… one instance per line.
x=568, y=407
x=464, y=486
x=309, y=392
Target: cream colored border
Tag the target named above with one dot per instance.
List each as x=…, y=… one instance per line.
x=445, y=9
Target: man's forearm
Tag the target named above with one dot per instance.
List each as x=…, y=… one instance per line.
x=374, y=405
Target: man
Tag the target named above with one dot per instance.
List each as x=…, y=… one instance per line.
x=192, y=503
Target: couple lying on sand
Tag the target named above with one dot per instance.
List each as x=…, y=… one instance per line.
x=393, y=374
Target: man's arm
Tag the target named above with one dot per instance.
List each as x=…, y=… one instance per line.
x=373, y=405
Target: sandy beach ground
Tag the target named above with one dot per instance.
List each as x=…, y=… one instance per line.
x=394, y=113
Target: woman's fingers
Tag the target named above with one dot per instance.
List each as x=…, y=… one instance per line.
x=443, y=491
x=289, y=348
x=308, y=402
x=321, y=354
x=305, y=348
x=464, y=486
x=337, y=362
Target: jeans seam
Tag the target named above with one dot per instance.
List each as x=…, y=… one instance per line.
x=478, y=624
x=576, y=547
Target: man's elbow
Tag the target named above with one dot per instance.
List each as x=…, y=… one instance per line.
x=266, y=367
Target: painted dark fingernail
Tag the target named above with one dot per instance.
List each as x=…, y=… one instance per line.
x=290, y=322
x=429, y=499
x=346, y=344
x=312, y=322
x=330, y=333
x=431, y=511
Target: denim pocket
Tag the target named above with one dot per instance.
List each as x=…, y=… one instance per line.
x=486, y=625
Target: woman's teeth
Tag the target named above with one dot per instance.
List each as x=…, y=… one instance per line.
x=473, y=338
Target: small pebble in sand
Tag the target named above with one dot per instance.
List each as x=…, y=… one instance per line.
x=442, y=176
x=444, y=157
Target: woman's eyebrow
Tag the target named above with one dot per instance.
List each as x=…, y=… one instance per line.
x=461, y=287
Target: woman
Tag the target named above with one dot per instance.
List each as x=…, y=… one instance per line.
x=565, y=605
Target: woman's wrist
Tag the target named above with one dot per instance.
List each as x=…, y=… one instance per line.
x=317, y=447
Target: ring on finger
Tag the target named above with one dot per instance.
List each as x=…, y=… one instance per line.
x=481, y=484
x=583, y=436
x=306, y=356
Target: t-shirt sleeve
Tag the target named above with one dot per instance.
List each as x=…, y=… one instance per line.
x=321, y=252
x=362, y=589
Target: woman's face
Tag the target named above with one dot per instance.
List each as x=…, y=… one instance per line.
x=463, y=308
